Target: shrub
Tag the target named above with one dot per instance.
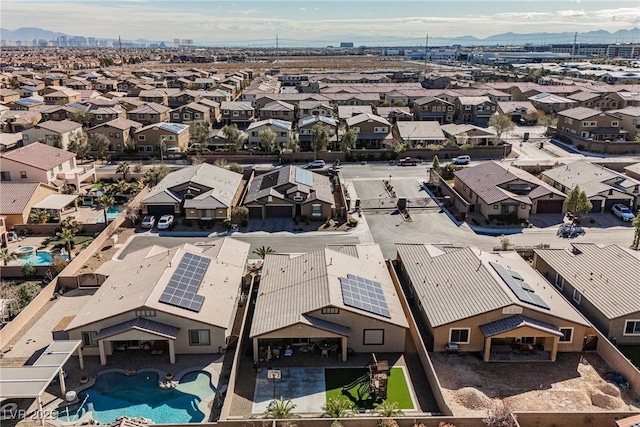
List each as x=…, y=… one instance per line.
x=227, y=224
x=28, y=269
x=235, y=167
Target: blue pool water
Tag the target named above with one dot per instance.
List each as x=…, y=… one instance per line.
x=112, y=213
x=40, y=259
x=115, y=394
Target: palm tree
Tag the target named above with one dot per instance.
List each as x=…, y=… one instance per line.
x=338, y=407
x=263, y=251
x=388, y=409
x=124, y=169
x=67, y=235
x=105, y=202
x=39, y=216
x=280, y=409
x=7, y=256
x=636, y=236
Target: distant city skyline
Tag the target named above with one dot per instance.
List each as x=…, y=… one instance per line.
x=303, y=23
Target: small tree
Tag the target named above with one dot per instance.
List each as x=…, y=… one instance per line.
x=349, y=141
x=7, y=256
x=235, y=167
x=434, y=147
x=105, y=202
x=267, y=140
x=198, y=134
x=82, y=117
x=78, y=144
x=636, y=232
x=100, y=144
x=400, y=148
x=338, y=407
x=387, y=409
x=132, y=213
x=240, y=213
x=462, y=139
x=124, y=168
x=27, y=292
x=319, y=138
x=577, y=202
x=502, y=124
x=137, y=168
x=234, y=137
x=280, y=409
x=505, y=243
x=292, y=145
x=28, y=269
x=436, y=163
x=263, y=251
x=156, y=174
x=466, y=147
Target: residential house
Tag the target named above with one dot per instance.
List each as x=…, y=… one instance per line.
x=305, y=130
x=61, y=112
x=419, y=134
x=633, y=171
x=430, y=108
x=489, y=302
x=468, y=134
x=198, y=192
x=32, y=103
x=629, y=119
x=600, y=100
x=181, y=300
x=583, y=123
x=474, y=110
x=240, y=113
x=149, y=139
x=9, y=141
x=43, y=163
x=603, y=187
x=8, y=95
x=598, y=281
x=18, y=198
x=314, y=108
x=347, y=111
x=278, y=110
x=373, y=131
x=217, y=95
x=99, y=113
x=355, y=304
x=192, y=113
x=17, y=121
x=290, y=192
x=517, y=110
x=61, y=96
x=150, y=113
x=157, y=96
x=551, y=103
x=206, y=83
x=626, y=99
x=215, y=115
x=281, y=128
x=105, y=85
x=395, y=114
x=494, y=190
x=56, y=133
x=183, y=98
x=119, y=131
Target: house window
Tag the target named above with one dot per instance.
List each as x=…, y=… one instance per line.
x=145, y=313
x=467, y=107
x=495, y=206
x=186, y=116
x=614, y=124
x=567, y=335
x=373, y=337
x=526, y=340
x=116, y=135
x=98, y=117
x=632, y=327
x=199, y=337
x=235, y=114
x=59, y=168
x=577, y=296
x=141, y=148
x=171, y=138
x=584, y=134
x=559, y=281
x=176, y=116
x=459, y=335
x=196, y=115
x=149, y=148
x=5, y=176
x=25, y=137
x=23, y=174
x=141, y=138
x=330, y=310
x=316, y=210
x=89, y=339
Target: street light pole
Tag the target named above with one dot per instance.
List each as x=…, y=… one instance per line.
x=162, y=146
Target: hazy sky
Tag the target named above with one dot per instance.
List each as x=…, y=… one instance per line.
x=299, y=21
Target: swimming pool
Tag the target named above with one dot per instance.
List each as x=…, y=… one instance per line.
x=112, y=213
x=39, y=259
x=115, y=394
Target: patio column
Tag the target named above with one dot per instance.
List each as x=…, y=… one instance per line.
x=80, y=357
x=554, y=348
x=103, y=356
x=63, y=385
x=487, y=349
x=256, y=357
x=344, y=349
x=172, y=353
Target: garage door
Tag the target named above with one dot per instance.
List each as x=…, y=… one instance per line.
x=549, y=206
x=597, y=206
x=279, y=212
x=160, y=209
x=608, y=204
x=255, y=212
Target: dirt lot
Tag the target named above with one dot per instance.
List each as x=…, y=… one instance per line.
x=106, y=252
x=574, y=382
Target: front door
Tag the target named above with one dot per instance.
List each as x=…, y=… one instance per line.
x=298, y=209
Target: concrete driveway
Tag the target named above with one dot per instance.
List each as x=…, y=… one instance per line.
x=270, y=225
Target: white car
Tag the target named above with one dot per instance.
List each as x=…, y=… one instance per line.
x=165, y=222
x=148, y=221
x=461, y=160
x=622, y=212
x=316, y=164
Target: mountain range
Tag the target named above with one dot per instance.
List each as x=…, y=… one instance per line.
x=541, y=38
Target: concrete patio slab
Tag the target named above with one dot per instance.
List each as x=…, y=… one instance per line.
x=304, y=386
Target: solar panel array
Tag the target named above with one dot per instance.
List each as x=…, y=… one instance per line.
x=522, y=290
x=181, y=291
x=173, y=127
x=364, y=294
x=304, y=177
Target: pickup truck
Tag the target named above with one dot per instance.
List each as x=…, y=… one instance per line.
x=408, y=161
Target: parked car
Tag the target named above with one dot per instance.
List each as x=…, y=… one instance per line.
x=316, y=164
x=173, y=150
x=570, y=231
x=622, y=212
x=409, y=161
x=165, y=222
x=148, y=221
x=461, y=160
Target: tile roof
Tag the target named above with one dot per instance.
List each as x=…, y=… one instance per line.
x=282, y=124
x=270, y=184
x=603, y=275
x=150, y=108
x=294, y=287
x=592, y=179
x=365, y=117
x=62, y=126
x=38, y=155
x=420, y=130
x=236, y=105
x=121, y=123
x=15, y=196
x=579, y=113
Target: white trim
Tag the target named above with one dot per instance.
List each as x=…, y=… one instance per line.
x=460, y=329
x=560, y=338
x=561, y=285
x=577, y=296
x=634, y=334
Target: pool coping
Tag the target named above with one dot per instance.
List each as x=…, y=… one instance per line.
x=203, y=405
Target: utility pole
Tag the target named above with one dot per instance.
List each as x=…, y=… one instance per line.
x=277, y=47
x=426, y=44
x=121, y=57
x=573, y=51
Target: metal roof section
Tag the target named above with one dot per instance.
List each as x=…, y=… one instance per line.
x=140, y=324
x=515, y=322
x=55, y=201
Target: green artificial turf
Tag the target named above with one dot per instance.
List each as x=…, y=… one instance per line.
x=397, y=388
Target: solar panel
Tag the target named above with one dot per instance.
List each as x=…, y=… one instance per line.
x=364, y=294
x=182, y=288
x=523, y=291
x=304, y=177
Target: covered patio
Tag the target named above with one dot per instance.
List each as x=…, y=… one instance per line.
x=138, y=334
x=57, y=205
x=520, y=338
